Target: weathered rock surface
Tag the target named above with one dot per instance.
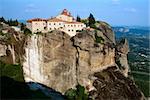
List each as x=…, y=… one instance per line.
x=111, y=84
x=61, y=62
x=122, y=50
x=107, y=31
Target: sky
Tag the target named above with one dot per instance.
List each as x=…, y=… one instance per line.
x=114, y=12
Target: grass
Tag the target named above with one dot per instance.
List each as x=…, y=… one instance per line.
x=12, y=71
x=142, y=81
x=144, y=86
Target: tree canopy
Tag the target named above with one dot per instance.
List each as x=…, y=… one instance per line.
x=10, y=22
x=91, y=20
x=78, y=19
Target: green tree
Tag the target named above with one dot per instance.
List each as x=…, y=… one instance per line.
x=22, y=26
x=27, y=31
x=78, y=19
x=76, y=94
x=91, y=20
x=2, y=19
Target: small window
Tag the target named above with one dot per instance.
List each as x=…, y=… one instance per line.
x=49, y=23
x=64, y=25
x=69, y=30
x=71, y=25
x=81, y=25
x=72, y=30
x=54, y=24
x=68, y=25
x=59, y=23
x=50, y=29
x=78, y=25
x=74, y=25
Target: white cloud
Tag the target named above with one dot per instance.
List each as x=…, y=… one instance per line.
x=31, y=8
x=132, y=10
x=116, y=2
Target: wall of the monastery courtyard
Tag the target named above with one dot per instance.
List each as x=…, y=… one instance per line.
x=38, y=26
x=72, y=28
x=54, y=25
x=65, y=18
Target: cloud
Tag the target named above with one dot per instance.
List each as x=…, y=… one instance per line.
x=31, y=8
x=131, y=10
x=115, y=2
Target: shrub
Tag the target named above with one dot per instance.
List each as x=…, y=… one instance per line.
x=98, y=39
x=76, y=94
x=27, y=31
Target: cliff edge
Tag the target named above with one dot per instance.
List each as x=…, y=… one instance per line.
x=61, y=62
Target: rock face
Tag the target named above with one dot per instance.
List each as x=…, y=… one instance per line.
x=122, y=50
x=111, y=84
x=107, y=31
x=61, y=62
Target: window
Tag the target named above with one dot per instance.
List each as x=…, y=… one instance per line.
x=71, y=25
x=59, y=23
x=50, y=29
x=72, y=30
x=69, y=30
x=49, y=23
x=54, y=24
x=68, y=25
x=64, y=25
x=81, y=25
x=74, y=25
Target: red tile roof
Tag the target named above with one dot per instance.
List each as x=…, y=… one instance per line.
x=35, y=19
x=66, y=12
x=55, y=20
x=74, y=23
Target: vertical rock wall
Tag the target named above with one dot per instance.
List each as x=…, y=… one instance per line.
x=32, y=66
x=60, y=62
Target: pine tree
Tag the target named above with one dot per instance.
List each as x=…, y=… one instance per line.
x=2, y=19
x=91, y=20
x=78, y=19
x=22, y=26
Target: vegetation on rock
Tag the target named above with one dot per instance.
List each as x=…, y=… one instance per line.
x=76, y=94
x=91, y=20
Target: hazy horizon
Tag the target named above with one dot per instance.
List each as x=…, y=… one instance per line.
x=114, y=12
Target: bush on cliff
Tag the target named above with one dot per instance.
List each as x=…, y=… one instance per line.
x=27, y=31
x=98, y=39
x=76, y=94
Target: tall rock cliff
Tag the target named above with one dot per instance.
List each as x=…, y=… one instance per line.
x=61, y=62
